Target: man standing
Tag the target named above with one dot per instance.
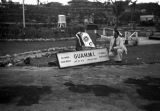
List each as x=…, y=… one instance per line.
x=117, y=47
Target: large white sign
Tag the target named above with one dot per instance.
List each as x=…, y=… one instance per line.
x=82, y=57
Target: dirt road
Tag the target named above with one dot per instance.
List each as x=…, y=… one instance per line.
x=82, y=88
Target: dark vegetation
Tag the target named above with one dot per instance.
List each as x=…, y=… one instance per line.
x=41, y=20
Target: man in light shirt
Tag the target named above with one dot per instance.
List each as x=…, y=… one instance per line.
x=117, y=47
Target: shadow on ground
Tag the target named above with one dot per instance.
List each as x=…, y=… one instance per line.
x=97, y=90
x=22, y=95
x=148, y=88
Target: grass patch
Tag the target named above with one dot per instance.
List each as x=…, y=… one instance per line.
x=144, y=54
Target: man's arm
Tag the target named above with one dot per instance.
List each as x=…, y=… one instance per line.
x=106, y=37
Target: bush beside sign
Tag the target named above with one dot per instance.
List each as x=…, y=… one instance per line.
x=68, y=59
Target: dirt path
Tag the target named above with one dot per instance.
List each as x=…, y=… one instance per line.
x=81, y=88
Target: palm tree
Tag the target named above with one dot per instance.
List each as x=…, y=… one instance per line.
x=38, y=2
x=133, y=13
x=118, y=9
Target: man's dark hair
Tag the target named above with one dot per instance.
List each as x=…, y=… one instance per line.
x=116, y=31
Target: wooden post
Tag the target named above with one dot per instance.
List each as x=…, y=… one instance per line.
x=24, y=25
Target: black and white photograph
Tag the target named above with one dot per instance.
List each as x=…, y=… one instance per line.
x=79, y=55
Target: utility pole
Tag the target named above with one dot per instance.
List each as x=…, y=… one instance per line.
x=24, y=25
x=133, y=7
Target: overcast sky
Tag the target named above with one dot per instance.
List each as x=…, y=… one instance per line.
x=66, y=1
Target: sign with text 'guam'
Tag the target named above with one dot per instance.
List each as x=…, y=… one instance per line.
x=68, y=59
